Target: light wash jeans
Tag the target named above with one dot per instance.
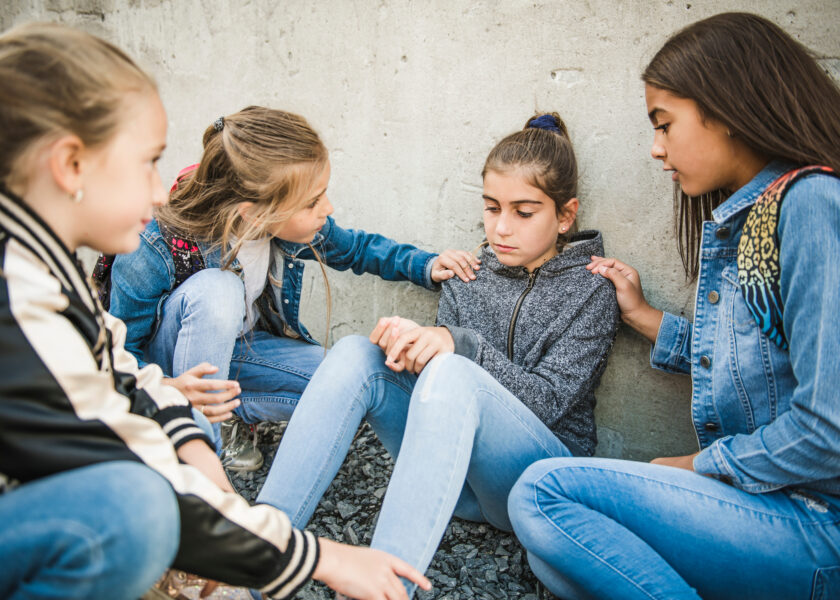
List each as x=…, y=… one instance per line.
x=104, y=531
x=460, y=441
x=603, y=528
x=200, y=323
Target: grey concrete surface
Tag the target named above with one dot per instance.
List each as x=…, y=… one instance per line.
x=410, y=96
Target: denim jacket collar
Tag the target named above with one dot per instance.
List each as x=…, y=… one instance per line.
x=746, y=196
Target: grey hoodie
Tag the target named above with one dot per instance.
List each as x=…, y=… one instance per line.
x=552, y=357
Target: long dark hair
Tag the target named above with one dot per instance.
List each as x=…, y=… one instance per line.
x=764, y=86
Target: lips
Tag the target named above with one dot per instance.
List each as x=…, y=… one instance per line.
x=503, y=248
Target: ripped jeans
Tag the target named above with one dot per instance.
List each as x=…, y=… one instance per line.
x=459, y=438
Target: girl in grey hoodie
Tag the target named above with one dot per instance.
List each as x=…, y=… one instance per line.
x=507, y=377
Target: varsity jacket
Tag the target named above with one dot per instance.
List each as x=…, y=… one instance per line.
x=72, y=396
x=544, y=335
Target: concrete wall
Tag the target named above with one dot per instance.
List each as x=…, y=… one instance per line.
x=410, y=96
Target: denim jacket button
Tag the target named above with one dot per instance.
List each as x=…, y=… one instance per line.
x=713, y=297
x=722, y=233
x=291, y=265
x=285, y=301
x=705, y=362
x=710, y=426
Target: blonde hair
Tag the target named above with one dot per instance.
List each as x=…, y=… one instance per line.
x=57, y=80
x=261, y=155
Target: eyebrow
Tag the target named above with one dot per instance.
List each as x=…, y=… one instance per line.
x=318, y=195
x=652, y=115
x=516, y=202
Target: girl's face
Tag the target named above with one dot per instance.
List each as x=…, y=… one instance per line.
x=701, y=154
x=520, y=220
x=120, y=180
x=305, y=223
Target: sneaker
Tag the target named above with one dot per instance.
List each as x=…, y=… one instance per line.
x=239, y=446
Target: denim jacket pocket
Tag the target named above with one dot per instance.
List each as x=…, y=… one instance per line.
x=826, y=584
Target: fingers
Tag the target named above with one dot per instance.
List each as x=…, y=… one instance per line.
x=381, y=329
x=209, y=587
x=216, y=411
x=202, y=369
x=455, y=262
x=400, y=344
x=403, y=569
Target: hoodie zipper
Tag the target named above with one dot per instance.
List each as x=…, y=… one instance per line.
x=531, y=278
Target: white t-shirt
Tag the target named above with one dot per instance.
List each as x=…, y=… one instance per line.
x=254, y=257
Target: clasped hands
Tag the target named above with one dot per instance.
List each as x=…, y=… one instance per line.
x=407, y=345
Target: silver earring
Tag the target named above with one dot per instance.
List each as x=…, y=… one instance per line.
x=78, y=195
x=562, y=230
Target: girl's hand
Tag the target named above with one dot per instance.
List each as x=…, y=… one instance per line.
x=455, y=262
x=363, y=573
x=415, y=348
x=215, y=398
x=389, y=329
x=680, y=462
x=635, y=310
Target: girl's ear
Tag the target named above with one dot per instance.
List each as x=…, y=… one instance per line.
x=65, y=161
x=568, y=215
x=244, y=210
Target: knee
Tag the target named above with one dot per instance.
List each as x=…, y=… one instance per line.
x=356, y=351
x=536, y=486
x=215, y=296
x=450, y=377
x=150, y=532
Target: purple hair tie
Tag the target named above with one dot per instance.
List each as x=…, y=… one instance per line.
x=545, y=122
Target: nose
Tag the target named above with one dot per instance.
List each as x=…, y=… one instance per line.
x=503, y=225
x=159, y=194
x=657, y=149
x=327, y=207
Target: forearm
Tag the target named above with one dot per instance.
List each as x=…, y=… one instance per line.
x=645, y=320
x=199, y=455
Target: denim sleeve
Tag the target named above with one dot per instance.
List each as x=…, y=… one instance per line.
x=800, y=446
x=672, y=350
x=139, y=281
x=364, y=252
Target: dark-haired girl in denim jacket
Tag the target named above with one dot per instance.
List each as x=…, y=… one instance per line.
x=756, y=512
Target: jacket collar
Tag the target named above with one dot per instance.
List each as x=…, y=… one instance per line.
x=22, y=223
x=748, y=194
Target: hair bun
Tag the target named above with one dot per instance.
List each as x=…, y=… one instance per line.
x=549, y=122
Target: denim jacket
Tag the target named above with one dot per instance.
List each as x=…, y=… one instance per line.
x=766, y=418
x=142, y=281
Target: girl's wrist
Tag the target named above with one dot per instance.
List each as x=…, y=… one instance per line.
x=646, y=320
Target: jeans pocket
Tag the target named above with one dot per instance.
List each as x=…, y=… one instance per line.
x=826, y=584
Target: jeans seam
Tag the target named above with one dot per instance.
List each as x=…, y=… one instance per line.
x=580, y=545
x=707, y=496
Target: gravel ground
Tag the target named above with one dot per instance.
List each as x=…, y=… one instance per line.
x=473, y=561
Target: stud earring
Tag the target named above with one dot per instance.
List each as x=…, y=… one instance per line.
x=78, y=195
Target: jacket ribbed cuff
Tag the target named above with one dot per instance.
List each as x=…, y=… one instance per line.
x=298, y=563
x=178, y=424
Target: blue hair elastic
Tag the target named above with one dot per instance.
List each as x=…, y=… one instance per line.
x=545, y=122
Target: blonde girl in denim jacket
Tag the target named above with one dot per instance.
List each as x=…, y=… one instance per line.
x=218, y=276
x=738, y=109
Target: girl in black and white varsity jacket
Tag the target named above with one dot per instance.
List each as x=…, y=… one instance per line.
x=105, y=479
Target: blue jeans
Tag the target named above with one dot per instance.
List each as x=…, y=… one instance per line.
x=201, y=321
x=104, y=531
x=603, y=528
x=460, y=441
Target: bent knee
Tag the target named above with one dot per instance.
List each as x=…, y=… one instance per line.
x=219, y=297
x=356, y=350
